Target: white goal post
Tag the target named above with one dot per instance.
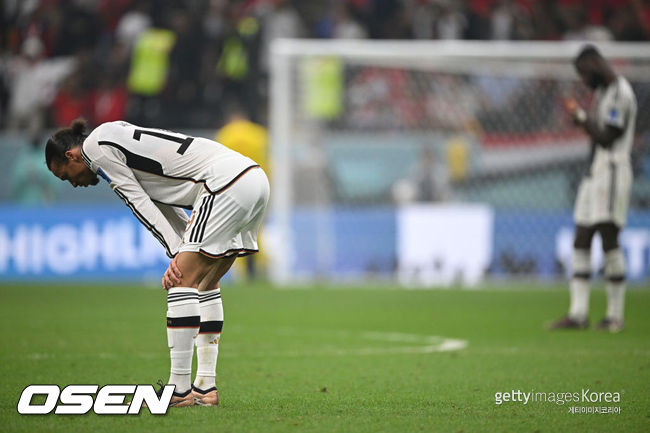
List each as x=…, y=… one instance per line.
x=474, y=106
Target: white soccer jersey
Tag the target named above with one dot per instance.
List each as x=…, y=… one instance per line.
x=603, y=196
x=615, y=106
x=157, y=172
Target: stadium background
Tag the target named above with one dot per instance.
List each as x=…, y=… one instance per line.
x=500, y=142
x=382, y=154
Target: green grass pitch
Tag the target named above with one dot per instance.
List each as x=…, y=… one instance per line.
x=330, y=360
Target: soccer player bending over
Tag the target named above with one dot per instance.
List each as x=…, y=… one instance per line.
x=157, y=173
x=603, y=195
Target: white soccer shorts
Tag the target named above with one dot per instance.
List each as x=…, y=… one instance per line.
x=227, y=223
x=604, y=196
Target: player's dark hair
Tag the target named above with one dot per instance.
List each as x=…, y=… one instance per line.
x=63, y=140
x=587, y=52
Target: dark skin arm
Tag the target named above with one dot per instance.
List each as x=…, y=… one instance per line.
x=603, y=137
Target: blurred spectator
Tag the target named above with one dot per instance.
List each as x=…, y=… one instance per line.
x=80, y=27
x=108, y=101
x=387, y=19
x=578, y=28
x=453, y=104
x=628, y=24
x=422, y=20
x=509, y=21
x=545, y=20
x=214, y=20
x=428, y=181
x=642, y=14
x=181, y=93
x=430, y=177
x=451, y=22
x=131, y=25
x=71, y=101
x=148, y=73
x=340, y=23
x=113, y=11
x=246, y=137
x=31, y=182
x=237, y=64
x=31, y=18
x=279, y=20
x=214, y=51
x=32, y=84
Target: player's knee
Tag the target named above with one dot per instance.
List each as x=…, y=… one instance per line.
x=583, y=237
x=615, y=265
x=193, y=269
x=609, y=235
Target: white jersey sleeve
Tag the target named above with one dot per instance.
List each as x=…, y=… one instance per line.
x=176, y=217
x=111, y=165
x=617, y=105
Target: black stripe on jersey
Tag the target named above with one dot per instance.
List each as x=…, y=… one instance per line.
x=141, y=218
x=184, y=298
x=193, y=233
x=612, y=188
x=142, y=163
x=183, y=141
x=211, y=327
x=210, y=298
x=240, y=252
x=85, y=158
x=184, y=322
x=205, y=220
x=183, y=206
x=203, y=181
x=135, y=161
x=180, y=294
x=611, y=278
x=144, y=221
x=235, y=179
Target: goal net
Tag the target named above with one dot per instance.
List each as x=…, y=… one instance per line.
x=435, y=163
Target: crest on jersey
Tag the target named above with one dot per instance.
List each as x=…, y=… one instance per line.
x=613, y=114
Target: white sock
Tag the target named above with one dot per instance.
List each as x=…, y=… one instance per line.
x=183, y=319
x=615, y=275
x=207, y=342
x=579, y=287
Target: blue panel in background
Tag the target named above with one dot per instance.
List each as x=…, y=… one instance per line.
x=344, y=242
x=357, y=242
x=108, y=243
x=77, y=241
x=524, y=242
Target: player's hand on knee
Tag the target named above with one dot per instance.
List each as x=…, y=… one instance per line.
x=172, y=275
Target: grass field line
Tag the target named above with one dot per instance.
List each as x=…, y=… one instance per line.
x=390, y=343
x=395, y=342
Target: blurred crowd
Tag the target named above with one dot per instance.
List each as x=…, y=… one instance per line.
x=182, y=64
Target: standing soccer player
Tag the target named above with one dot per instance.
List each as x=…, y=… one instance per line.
x=157, y=173
x=603, y=195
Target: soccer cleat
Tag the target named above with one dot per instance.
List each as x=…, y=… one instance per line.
x=567, y=323
x=178, y=400
x=612, y=325
x=209, y=397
